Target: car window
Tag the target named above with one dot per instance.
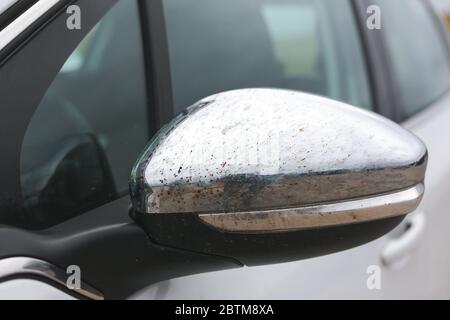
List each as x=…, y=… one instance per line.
x=91, y=124
x=417, y=52
x=305, y=45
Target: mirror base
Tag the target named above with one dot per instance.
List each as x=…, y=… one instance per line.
x=253, y=249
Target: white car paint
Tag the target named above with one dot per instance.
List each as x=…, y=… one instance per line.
x=5, y=4
x=27, y=289
x=19, y=25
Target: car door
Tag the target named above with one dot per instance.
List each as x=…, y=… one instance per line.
x=78, y=105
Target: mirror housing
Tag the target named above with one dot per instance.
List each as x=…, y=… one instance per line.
x=267, y=175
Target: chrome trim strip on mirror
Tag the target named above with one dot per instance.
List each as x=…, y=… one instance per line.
x=15, y=28
x=321, y=215
x=23, y=266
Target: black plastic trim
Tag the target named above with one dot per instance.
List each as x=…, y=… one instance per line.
x=14, y=11
x=114, y=254
x=158, y=68
x=383, y=86
x=186, y=232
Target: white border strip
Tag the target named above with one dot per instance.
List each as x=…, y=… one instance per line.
x=25, y=20
x=6, y=4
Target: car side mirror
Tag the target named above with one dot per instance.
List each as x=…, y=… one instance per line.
x=265, y=176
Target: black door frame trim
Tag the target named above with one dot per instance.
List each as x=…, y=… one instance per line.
x=158, y=63
x=384, y=91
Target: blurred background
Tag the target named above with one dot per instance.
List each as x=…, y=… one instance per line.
x=443, y=8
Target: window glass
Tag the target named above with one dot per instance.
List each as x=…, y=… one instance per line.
x=91, y=124
x=417, y=52
x=307, y=45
